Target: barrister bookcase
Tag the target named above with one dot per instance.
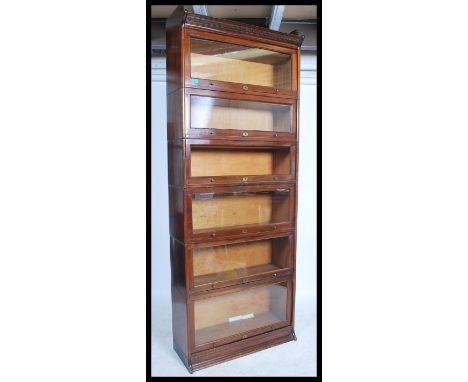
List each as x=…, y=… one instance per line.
x=232, y=113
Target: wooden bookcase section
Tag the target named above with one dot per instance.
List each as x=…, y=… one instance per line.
x=232, y=103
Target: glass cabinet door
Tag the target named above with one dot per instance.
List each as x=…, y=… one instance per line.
x=234, y=114
x=222, y=265
x=231, y=314
x=235, y=63
x=213, y=211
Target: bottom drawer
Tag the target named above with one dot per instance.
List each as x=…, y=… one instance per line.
x=232, y=316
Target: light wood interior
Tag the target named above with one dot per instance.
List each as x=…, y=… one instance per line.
x=217, y=310
x=280, y=212
x=232, y=261
x=231, y=70
x=225, y=114
x=226, y=258
x=236, y=210
x=212, y=314
x=214, y=60
x=229, y=162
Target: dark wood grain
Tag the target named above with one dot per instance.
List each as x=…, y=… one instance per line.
x=174, y=46
x=179, y=302
x=248, y=31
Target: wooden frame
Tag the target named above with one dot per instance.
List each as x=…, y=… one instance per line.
x=247, y=334
x=238, y=231
x=258, y=155
x=273, y=274
x=238, y=134
x=234, y=86
x=232, y=191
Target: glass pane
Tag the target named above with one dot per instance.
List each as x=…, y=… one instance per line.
x=220, y=61
x=228, y=162
x=234, y=313
x=219, y=113
x=219, y=210
x=232, y=261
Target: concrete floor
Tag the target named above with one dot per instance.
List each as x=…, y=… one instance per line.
x=295, y=358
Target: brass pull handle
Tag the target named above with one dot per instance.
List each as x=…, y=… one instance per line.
x=245, y=87
x=274, y=274
x=244, y=231
x=244, y=336
x=274, y=228
x=212, y=180
x=244, y=179
x=244, y=134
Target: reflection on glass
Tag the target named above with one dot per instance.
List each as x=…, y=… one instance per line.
x=219, y=113
x=231, y=261
x=220, y=61
x=221, y=210
x=234, y=313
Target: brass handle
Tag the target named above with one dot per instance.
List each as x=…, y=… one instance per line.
x=244, y=134
x=245, y=87
x=244, y=179
x=274, y=228
x=212, y=180
x=244, y=231
x=244, y=336
x=274, y=274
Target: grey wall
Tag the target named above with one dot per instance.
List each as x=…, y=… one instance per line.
x=306, y=224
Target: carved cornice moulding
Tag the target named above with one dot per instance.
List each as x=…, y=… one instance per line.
x=211, y=23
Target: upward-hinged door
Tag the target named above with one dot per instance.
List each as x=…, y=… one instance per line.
x=231, y=315
x=242, y=211
x=218, y=62
x=224, y=264
x=217, y=115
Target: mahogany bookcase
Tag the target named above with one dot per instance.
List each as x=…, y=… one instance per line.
x=232, y=128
